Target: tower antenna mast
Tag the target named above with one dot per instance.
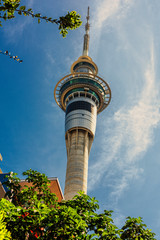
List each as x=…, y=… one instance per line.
x=86, y=36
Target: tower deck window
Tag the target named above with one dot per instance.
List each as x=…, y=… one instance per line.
x=80, y=105
x=88, y=80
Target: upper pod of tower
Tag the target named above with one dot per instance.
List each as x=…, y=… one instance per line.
x=83, y=81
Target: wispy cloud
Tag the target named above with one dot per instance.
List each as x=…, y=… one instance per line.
x=132, y=135
x=107, y=13
x=16, y=28
x=107, y=9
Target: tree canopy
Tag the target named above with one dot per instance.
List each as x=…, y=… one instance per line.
x=34, y=213
x=9, y=9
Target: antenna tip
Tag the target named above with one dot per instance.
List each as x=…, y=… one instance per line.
x=87, y=14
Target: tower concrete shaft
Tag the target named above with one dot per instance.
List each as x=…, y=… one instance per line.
x=82, y=95
x=78, y=144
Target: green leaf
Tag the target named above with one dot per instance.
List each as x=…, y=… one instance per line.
x=23, y=8
x=20, y=12
x=37, y=15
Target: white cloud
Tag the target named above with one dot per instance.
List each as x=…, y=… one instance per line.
x=107, y=14
x=128, y=136
x=16, y=28
x=105, y=10
x=50, y=57
x=108, y=9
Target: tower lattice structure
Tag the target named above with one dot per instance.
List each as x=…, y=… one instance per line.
x=81, y=95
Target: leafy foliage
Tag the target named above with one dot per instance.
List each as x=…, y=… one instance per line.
x=4, y=234
x=9, y=8
x=11, y=56
x=34, y=213
x=37, y=191
x=134, y=228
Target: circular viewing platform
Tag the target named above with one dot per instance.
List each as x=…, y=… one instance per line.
x=81, y=84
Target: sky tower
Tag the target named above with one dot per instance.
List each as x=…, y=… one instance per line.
x=82, y=95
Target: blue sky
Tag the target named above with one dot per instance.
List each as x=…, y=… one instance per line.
x=124, y=161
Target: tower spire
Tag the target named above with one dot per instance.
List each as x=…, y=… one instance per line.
x=86, y=36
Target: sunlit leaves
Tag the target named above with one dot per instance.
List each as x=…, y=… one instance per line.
x=69, y=22
x=7, y=53
x=135, y=229
x=9, y=8
x=34, y=213
x=4, y=234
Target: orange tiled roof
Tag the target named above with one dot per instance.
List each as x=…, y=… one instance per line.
x=54, y=187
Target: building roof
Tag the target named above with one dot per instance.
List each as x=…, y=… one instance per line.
x=54, y=187
x=3, y=178
x=3, y=187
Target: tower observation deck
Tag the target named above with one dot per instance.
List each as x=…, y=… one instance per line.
x=81, y=95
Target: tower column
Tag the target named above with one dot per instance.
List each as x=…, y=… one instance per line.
x=81, y=95
x=78, y=144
